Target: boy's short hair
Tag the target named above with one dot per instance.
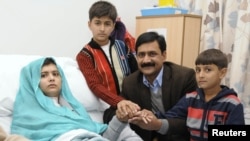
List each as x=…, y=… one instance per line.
x=212, y=56
x=103, y=8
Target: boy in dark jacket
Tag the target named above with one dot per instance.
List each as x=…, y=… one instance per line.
x=212, y=103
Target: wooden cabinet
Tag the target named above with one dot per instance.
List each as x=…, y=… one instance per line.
x=182, y=35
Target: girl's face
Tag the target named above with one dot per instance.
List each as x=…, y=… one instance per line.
x=51, y=81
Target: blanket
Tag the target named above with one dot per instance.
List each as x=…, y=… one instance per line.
x=35, y=115
x=80, y=135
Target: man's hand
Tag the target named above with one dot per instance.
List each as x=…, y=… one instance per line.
x=146, y=120
x=126, y=110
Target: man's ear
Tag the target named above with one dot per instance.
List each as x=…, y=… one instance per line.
x=223, y=72
x=164, y=54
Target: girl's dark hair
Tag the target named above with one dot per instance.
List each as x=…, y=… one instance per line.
x=103, y=8
x=48, y=61
x=212, y=56
x=148, y=37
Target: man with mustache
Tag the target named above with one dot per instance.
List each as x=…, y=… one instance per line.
x=156, y=87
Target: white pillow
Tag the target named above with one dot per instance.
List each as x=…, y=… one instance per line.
x=9, y=73
x=78, y=84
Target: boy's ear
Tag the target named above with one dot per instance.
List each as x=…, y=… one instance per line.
x=223, y=72
x=114, y=25
x=89, y=24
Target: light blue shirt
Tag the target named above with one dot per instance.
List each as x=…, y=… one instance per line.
x=157, y=83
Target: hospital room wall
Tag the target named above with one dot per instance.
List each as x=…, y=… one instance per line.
x=55, y=27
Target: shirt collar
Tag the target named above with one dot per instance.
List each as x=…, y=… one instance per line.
x=157, y=81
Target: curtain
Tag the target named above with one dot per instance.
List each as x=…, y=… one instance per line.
x=226, y=26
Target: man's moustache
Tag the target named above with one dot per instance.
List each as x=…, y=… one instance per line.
x=148, y=65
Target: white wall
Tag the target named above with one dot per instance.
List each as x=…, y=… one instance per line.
x=55, y=27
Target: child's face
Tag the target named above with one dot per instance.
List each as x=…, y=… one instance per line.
x=50, y=82
x=209, y=76
x=101, y=29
